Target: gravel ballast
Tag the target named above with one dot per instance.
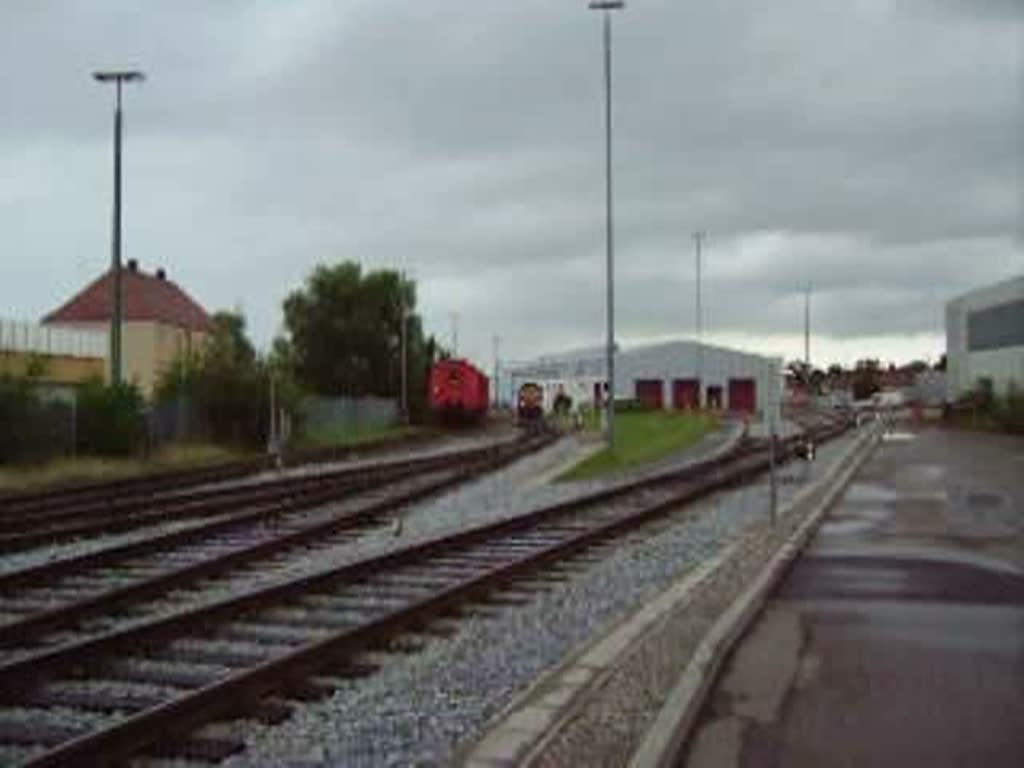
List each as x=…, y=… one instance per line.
x=419, y=707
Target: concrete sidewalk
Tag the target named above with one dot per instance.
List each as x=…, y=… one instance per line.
x=898, y=637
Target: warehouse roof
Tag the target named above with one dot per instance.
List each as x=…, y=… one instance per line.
x=590, y=361
x=144, y=297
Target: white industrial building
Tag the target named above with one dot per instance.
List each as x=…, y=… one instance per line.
x=675, y=374
x=985, y=338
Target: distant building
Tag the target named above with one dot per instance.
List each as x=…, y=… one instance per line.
x=670, y=375
x=930, y=388
x=985, y=337
x=161, y=321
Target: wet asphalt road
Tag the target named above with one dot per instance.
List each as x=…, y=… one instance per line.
x=898, y=638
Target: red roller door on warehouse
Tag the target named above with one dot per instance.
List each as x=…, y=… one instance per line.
x=685, y=393
x=650, y=393
x=742, y=395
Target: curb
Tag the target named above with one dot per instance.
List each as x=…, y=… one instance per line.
x=667, y=736
x=525, y=727
x=535, y=716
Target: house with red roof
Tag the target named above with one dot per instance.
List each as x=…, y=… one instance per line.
x=161, y=322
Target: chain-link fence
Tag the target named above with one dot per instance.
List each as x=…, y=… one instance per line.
x=348, y=414
x=175, y=420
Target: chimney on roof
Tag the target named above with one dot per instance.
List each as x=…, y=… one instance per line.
x=161, y=274
x=133, y=265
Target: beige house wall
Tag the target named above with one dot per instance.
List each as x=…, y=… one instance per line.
x=148, y=349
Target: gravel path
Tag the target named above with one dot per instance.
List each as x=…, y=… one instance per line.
x=419, y=707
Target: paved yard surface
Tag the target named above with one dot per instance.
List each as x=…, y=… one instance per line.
x=898, y=638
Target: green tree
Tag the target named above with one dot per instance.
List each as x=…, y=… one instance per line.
x=344, y=333
x=866, y=377
x=22, y=422
x=110, y=419
x=818, y=379
x=225, y=384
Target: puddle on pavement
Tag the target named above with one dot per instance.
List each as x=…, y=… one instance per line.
x=923, y=474
x=962, y=627
x=898, y=437
x=985, y=500
x=875, y=515
x=845, y=527
x=860, y=491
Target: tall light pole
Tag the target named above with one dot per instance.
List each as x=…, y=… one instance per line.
x=404, y=347
x=117, y=77
x=698, y=239
x=455, y=334
x=807, y=333
x=497, y=364
x=606, y=7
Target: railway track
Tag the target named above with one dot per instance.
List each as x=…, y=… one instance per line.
x=116, y=514
x=155, y=688
x=80, y=494
x=62, y=594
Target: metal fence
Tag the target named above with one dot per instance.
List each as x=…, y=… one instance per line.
x=18, y=336
x=49, y=433
x=330, y=414
x=175, y=420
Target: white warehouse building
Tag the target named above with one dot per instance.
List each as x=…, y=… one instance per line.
x=985, y=338
x=670, y=375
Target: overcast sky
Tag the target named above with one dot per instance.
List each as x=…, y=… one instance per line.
x=872, y=149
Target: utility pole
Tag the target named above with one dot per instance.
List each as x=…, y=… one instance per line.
x=606, y=7
x=116, y=315
x=698, y=239
x=455, y=334
x=497, y=364
x=774, y=488
x=807, y=331
x=772, y=480
x=273, y=438
x=809, y=445
x=405, y=349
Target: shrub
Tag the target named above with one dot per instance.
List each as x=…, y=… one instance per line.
x=986, y=409
x=111, y=420
x=227, y=388
x=628, y=404
x=21, y=421
x=104, y=421
x=562, y=404
x=1009, y=410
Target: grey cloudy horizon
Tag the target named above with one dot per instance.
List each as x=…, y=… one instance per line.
x=871, y=149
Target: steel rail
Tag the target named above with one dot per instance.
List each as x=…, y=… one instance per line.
x=206, y=502
x=551, y=534
x=64, y=616
x=20, y=502
x=168, y=495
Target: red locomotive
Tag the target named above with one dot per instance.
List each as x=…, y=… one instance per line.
x=458, y=390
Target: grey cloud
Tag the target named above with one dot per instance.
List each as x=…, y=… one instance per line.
x=873, y=148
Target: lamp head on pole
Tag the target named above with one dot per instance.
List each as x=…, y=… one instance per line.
x=123, y=75
x=605, y=5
